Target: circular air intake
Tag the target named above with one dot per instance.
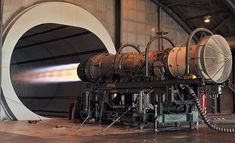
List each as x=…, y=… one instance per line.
x=214, y=59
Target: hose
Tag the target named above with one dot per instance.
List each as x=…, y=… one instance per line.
x=204, y=116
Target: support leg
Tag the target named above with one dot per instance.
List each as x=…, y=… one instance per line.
x=155, y=118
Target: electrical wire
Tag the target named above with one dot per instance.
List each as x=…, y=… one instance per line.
x=88, y=116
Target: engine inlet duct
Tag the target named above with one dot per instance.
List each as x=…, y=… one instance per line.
x=209, y=59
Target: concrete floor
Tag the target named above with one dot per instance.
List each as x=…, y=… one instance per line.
x=64, y=131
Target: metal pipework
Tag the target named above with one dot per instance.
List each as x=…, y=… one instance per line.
x=120, y=50
x=128, y=45
x=147, y=51
x=189, y=44
x=159, y=20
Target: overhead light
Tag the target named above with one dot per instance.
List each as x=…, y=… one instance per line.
x=207, y=18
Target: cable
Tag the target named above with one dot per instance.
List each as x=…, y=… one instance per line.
x=204, y=116
x=117, y=119
x=88, y=116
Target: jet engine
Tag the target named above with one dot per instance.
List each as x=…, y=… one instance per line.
x=161, y=87
x=210, y=59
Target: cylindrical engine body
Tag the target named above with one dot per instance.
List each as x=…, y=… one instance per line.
x=176, y=62
x=96, y=67
x=103, y=64
x=210, y=59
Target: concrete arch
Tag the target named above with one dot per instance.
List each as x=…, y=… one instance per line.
x=47, y=12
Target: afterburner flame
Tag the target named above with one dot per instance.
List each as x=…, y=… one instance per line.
x=52, y=74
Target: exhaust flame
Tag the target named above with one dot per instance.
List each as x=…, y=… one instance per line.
x=52, y=74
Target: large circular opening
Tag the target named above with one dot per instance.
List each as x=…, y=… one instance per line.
x=43, y=66
x=43, y=15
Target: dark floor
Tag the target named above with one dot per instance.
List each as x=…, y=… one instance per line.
x=64, y=131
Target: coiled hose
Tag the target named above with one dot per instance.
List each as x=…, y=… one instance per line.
x=204, y=116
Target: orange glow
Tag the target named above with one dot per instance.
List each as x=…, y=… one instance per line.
x=153, y=29
x=207, y=19
x=61, y=73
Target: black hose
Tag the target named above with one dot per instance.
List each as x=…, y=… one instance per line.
x=204, y=116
